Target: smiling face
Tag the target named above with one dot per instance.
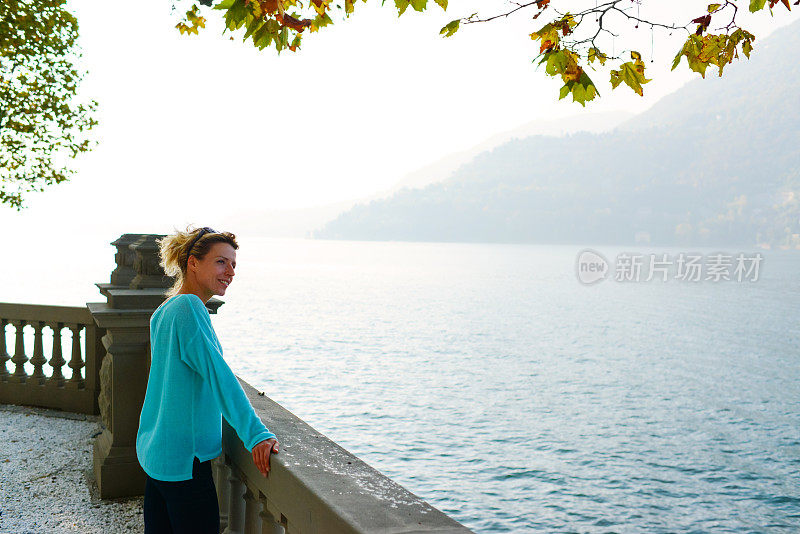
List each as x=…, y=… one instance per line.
x=213, y=274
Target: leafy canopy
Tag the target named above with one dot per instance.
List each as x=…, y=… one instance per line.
x=568, y=44
x=41, y=126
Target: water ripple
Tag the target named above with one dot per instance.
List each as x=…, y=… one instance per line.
x=517, y=400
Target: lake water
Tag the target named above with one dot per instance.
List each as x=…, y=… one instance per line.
x=490, y=382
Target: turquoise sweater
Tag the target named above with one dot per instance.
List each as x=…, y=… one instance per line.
x=189, y=389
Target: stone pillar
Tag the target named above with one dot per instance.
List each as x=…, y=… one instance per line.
x=137, y=288
x=124, y=273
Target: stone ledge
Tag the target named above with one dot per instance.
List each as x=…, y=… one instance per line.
x=46, y=412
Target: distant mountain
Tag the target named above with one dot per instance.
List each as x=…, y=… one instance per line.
x=302, y=222
x=443, y=168
x=715, y=163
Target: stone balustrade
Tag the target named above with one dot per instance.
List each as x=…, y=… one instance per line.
x=314, y=487
x=18, y=385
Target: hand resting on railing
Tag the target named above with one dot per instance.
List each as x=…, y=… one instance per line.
x=261, y=454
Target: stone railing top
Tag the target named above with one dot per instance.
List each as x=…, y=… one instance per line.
x=45, y=313
x=318, y=485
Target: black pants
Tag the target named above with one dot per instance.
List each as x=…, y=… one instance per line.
x=188, y=506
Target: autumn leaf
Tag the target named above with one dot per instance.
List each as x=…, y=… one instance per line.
x=295, y=24
x=269, y=6
x=548, y=35
x=566, y=24
x=573, y=71
x=632, y=73
x=718, y=50
x=195, y=22
x=703, y=23
x=558, y=50
x=595, y=54
x=320, y=6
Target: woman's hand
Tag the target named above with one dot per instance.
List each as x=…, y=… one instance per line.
x=261, y=453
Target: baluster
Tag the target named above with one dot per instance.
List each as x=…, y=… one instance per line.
x=235, y=504
x=252, y=518
x=221, y=478
x=38, y=359
x=268, y=523
x=76, y=362
x=4, y=357
x=19, y=358
x=57, y=360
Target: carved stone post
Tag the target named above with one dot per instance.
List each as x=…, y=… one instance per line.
x=19, y=358
x=268, y=523
x=4, y=357
x=124, y=273
x=252, y=509
x=221, y=473
x=236, y=504
x=137, y=288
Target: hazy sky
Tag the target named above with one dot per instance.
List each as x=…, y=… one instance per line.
x=193, y=128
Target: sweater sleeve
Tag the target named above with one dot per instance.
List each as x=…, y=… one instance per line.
x=202, y=353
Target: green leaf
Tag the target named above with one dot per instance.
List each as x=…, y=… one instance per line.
x=677, y=60
x=296, y=41
x=252, y=27
x=320, y=22
x=713, y=7
x=42, y=122
x=757, y=5
x=691, y=49
x=747, y=47
x=442, y=4
x=402, y=5
x=556, y=62
x=419, y=5
x=282, y=39
x=243, y=22
x=583, y=90
x=450, y=28
x=225, y=4
x=262, y=37
x=236, y=15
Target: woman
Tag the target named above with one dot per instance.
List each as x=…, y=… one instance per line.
x=190, y=388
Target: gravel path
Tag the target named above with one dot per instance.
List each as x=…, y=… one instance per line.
x=46, y=481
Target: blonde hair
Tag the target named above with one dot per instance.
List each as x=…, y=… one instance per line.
x=174, y=254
